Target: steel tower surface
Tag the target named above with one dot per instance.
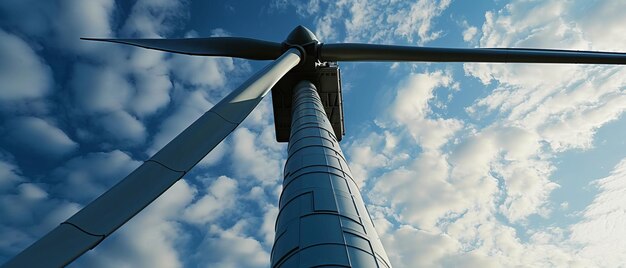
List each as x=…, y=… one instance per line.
x=322, y=219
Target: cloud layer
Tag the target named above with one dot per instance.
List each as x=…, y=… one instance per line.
x=471, y=188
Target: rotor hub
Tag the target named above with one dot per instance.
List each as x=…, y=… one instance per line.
x=307, y=43
x=301, y=36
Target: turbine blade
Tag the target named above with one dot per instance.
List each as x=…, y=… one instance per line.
x=212, y=46
x=89, y=226
x=372, y=52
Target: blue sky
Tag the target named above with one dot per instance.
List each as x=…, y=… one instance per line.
x=484, y=165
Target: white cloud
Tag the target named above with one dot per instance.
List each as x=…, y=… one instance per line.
x=490, y=243
x=409, y=247
x=511, y=155
x=261, y=118
x=32, y=192
x=109, y=82
x=417, y=19
x=60, y=24
x=28, y=213
x=600, y=233
x=561, y=105
x=150, y=73
x=23, y=74
x=364, y=157
x=150, y=239
x=85, y=177
x=454, y=188
x=576, y=128
x=250, y=158
x=324, y=28
x=603, y=23
x=231, y=248
x=372, y=152
x=201, y=71
x=469, y=33
x=504, y=168
x=543, y=96
x=9, y=175
x=26, y=197
x=423, y=194
x=416, y=91
x=38, y=136
x=100, y=88
x=74, y=19
x=566, y=110
x=190, y=107
x=278, y=5
x=115, y=88
x=220, y=197
x=411, y=109
x=375, y=21
x=550, y=26
x=153, y=19
x=269, y=223
x=123, y=127
x=13, y=238
x=501, y=169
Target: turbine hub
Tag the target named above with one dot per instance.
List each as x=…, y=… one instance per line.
x=301, y=36
x=306, y=42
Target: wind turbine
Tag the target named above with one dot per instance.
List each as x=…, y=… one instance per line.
x=322, y=219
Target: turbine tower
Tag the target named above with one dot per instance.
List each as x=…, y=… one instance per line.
x=322, y=220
